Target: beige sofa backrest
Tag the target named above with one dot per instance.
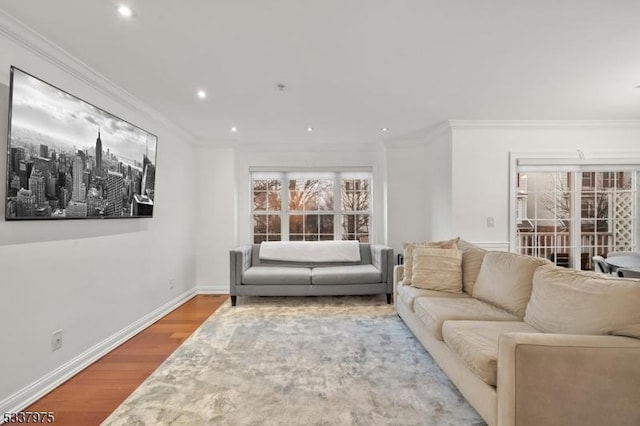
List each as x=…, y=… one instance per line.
x=580, y=302
x=472, y=257
x=505, y=280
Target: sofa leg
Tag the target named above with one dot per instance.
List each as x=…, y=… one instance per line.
x=233, y=300
x=389, y=299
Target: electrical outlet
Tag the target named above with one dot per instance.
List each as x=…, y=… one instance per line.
x=491, y=222
x=56, y=340
x=172, y=284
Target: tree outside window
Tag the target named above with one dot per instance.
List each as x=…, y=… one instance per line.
x=304, y=207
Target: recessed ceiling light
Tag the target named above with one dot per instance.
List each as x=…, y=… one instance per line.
x=309, y=129
x=125, y=11
x=234, y=129
x=385, y=129
x=202, y=94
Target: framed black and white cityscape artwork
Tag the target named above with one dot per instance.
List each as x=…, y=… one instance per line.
x=68, y=159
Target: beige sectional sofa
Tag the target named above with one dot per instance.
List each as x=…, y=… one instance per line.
x=530, y=343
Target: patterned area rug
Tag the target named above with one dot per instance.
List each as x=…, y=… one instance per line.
x=299, y=361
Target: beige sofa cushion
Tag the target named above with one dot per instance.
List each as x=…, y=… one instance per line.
x=580, y=302
x=505, y=280
x=408, y=254
x=472, y=258
x=437, y=269
x=434, y=311
x=408, y=294
x=476, y=342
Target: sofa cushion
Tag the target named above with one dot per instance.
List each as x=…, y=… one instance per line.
x=476, y=342
x=276, y=275
x=408, y=254
x=472, y=257
x=505, y=280
x=581, y=302
x=434, y=311
x=354, y=274
x=408, y=294
x=437, y=269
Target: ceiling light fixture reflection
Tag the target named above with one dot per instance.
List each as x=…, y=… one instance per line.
x=202, y=94
x=234, y=129
x=125, y=11
x=309, y=129
x=385, y=129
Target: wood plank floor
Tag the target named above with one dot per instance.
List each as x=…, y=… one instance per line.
x=94, y=393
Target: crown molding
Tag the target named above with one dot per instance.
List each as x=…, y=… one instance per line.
x=50, y=52
x=542, y=124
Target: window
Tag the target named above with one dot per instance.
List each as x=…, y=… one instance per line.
x=311, y=210
x=267, y=202
x=314, y=206
x=355, y=209
x=570, y=216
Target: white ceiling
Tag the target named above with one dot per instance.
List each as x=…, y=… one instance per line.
x=353, y=66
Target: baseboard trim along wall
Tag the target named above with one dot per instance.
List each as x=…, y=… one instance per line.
x=213, y=289
x=31, y=393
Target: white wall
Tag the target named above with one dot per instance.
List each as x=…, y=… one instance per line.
x=480, y=176
x=91, y=278
x=408, y=212
x=419, y=194
x=216, y=217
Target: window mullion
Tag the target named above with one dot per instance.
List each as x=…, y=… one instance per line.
x=576, y=217
x=337, y=206
x=284, y=208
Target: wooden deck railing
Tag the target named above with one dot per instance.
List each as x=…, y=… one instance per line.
x=557, y=246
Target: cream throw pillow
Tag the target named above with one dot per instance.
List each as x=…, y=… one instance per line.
x=408, y=255
x=437, y=269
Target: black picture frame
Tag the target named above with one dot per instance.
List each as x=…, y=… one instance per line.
x=69, y=159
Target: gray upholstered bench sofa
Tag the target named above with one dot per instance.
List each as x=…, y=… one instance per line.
x=253, y=276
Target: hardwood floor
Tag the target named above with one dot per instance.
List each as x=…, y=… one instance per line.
x=91, y=395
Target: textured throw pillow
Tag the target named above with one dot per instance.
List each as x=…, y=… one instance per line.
x=437, y=269
x=578, y=302
x=505, y=280
x=408, y=255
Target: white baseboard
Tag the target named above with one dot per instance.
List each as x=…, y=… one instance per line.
x=29, y=394
x=213, y=289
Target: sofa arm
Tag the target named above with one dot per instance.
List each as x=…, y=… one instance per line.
x=398, y=274
x=239, y=261
x=382, y=259
x=560, y=379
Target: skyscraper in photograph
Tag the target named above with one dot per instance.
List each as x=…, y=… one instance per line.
x=79, y=190
x=17, y=155
x=44, y=151
x=76, y=209
x=114, y=193
x=148, y=177
x=37, y=186
x=99, y=155
x=26, y=203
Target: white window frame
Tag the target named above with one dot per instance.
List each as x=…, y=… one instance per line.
x=555, y=162
x=336, y=175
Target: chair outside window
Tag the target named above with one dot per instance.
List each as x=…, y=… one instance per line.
x=600, y=265
x=628, y=273
x=622, y=253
